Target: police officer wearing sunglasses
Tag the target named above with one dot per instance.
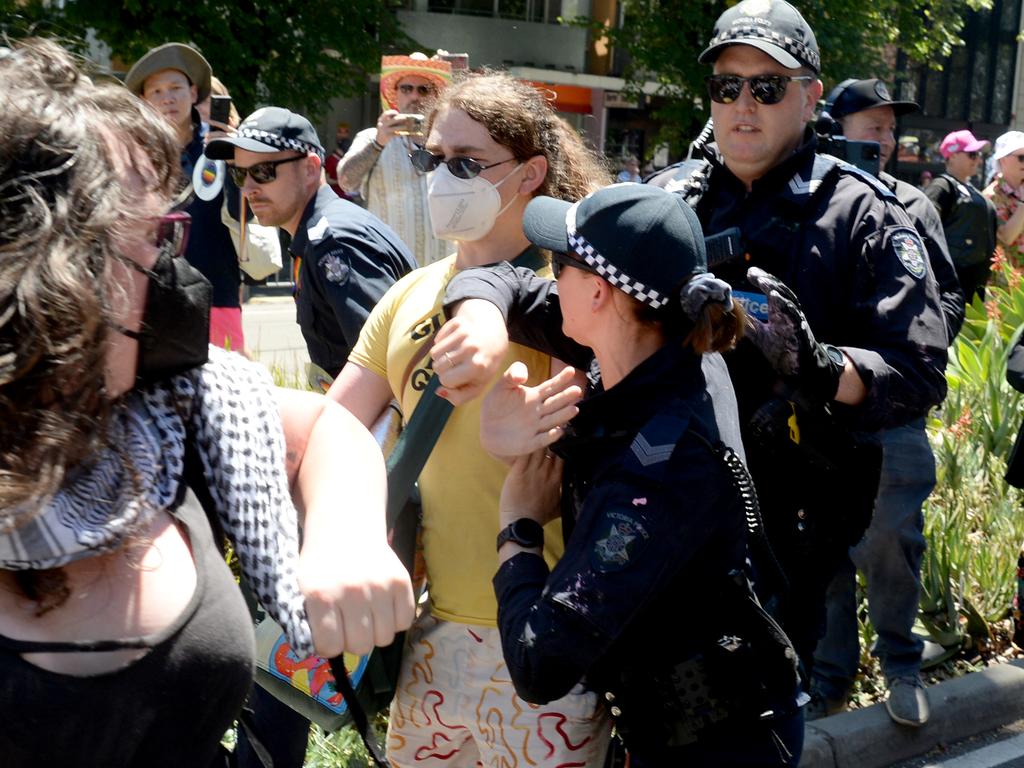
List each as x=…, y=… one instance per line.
x=845, y=336
x=344, y=257
x=848, y=336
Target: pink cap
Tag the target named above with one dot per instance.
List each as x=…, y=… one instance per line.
x=960, y=141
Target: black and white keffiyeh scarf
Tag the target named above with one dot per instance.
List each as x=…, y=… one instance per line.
x=227, y=410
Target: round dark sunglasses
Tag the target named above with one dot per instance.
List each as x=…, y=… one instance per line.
x=460, y=167
x=766, y=89
x=261, y=173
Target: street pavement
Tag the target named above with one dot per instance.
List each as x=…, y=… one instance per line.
x=273, y=337
x=962, y=708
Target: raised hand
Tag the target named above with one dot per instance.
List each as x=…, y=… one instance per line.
x=516, y=419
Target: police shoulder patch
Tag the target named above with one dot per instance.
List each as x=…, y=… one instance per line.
x=335, y=267
x=909, y=249
x=622, y=535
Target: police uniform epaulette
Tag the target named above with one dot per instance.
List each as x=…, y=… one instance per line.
x=688, y=178
x=872, y=181
x=674, y=173
x=655, y=441
x=318, y=229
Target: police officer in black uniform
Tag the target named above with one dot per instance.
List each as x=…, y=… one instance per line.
x=655, y=498
x=849, y=336
x=344, y=257
x=890, y=553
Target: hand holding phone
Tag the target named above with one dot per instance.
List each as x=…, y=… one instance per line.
x=409, y=125
x=220, y=109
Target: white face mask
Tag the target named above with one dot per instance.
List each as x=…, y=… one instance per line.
x=464, y=209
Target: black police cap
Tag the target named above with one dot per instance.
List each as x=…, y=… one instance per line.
x=643, y=240
x=852, y=96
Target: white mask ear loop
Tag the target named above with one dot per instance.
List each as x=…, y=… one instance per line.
x=505, y=207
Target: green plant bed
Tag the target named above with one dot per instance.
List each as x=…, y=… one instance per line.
x=974, y=521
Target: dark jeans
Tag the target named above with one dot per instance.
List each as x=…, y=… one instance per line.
x=281, y=730
x=890, y=556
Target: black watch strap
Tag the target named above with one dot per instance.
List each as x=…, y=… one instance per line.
x=524, y=532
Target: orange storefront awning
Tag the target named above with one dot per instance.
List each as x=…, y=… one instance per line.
x=568, y=98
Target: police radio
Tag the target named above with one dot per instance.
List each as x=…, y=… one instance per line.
x=866, y=155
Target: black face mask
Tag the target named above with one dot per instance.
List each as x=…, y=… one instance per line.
x=175, y=333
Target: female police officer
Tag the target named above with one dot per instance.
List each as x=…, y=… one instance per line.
x=654, y=493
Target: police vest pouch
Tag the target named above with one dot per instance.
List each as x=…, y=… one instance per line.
x=747, y=672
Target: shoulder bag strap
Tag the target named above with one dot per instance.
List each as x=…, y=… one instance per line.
x=404, y=465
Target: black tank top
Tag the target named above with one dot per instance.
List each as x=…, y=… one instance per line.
x=169, y=708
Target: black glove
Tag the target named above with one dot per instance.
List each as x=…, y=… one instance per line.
x=788, y=344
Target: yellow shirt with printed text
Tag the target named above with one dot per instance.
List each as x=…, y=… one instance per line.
x=461, y=483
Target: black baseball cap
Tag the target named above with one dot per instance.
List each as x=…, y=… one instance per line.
x=269, y=129
x=643, y=240
x=772, y=26
x=852, y=96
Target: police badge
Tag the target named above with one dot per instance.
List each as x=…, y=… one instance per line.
x=910, y=251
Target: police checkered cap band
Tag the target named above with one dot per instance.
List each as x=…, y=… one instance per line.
x=282, y=143
x=606, y=269
x=795, y=48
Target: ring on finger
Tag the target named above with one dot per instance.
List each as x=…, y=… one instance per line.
x=448, y=359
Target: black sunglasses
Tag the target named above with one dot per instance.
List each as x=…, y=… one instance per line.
x=1018, y=158
x=561, y=260
x=261, y=173
x=422, y=90
x=766, y=89
x=425, y=161
x=973, y=155
x=172, y=232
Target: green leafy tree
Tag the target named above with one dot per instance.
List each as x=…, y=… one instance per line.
x=294, y=53
x=662, y=39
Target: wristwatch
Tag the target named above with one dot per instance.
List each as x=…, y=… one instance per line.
x=835, y=354
x=524, y=532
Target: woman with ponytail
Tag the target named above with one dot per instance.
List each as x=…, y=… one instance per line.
x=648, y=473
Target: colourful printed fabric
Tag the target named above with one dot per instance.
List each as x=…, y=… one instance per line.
x=456, y=708
x=1006, y=199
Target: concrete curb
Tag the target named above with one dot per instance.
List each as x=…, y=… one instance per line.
x=960, y=708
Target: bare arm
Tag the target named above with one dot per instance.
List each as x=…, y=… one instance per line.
x=365, y=151
x=1010, y=229
x=358, y=593
x=356, y=164
x=361, y=392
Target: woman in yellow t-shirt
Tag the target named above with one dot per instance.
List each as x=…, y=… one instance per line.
x=493, y=143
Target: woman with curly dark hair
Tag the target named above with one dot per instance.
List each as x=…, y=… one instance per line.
x=121, y=627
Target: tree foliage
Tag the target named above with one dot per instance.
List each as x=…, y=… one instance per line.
x=299, y=54
x=662, y=39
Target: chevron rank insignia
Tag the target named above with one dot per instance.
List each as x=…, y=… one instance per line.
x=648, y=454
x=909, y=250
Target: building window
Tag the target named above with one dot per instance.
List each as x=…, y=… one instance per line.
x=544, y=11
x=987, y=59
